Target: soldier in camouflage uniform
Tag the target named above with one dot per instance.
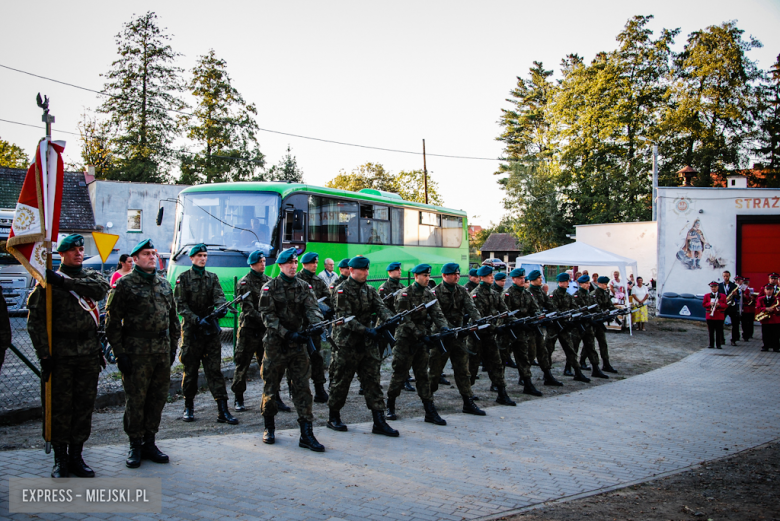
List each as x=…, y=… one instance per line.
x=488, y=303
x=411, y=349
x=518, y=298
x=143, y=329
x=284, y=305
x=343, y=275
x=75, y=359
x=499, y=283
x=535, y=338
x=583, y=298
x=473, y=282
x=198, y=293
x=308, y=274
x=455, y=303
x=562, y=302
x=389, y=291
x=358, y=349
x=604, y=300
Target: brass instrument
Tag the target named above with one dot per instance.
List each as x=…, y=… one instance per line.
x=730, y=298
x=714, y=305
x=767, y=312
x=750, y=298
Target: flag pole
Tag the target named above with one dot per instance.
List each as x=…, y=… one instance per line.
x=48, y=119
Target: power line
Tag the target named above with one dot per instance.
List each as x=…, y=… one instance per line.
x=322, y=140
x=36, y=126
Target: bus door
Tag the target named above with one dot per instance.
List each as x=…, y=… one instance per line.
x=294, y=216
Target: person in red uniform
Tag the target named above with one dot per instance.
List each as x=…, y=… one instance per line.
x=748, y=310
x=770, y=326
x=715, y=318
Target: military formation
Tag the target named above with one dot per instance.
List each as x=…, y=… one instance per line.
x=282, y=322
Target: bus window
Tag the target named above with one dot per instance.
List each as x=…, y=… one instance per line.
x=333, y=220
x=411, y=232
x=397, y=224
x=452, y=231
x=374, y=224
x=430, y=235
x=430, y=219
x=293, y=227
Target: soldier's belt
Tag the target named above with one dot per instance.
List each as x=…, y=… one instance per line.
x=147, y=335
x=77, y=336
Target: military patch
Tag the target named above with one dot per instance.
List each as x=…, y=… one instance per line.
x=178, y=280
x=243, y=283
x=340, y=291
x=403, y=294
x=309, y=286
x=266, y=289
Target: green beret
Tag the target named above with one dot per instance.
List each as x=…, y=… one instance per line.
x=255, y=257
x=344, y=263
x=73, y=240
x=500, y=275
x=603, y=280
x=287, y=255
x=484, y=271
x=393, y=266
x=584, y=278
x=145, y=244
x=473, y=272
x=517, y=272
x=309, y=257
x=421, y=269
x=563, y=277
x=359, y=262
x=450, y=268
x=197, y=249
x=535, y=274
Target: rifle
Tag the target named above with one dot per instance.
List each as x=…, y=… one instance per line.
x=393, y=294
x=458, y=332
x=212, y=318
x=396, y=319
x=319, y=327
x=522, y=323
x=324, y=308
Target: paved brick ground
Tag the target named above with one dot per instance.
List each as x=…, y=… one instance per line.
x=709, y=405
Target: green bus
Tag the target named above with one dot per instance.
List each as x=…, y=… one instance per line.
x=234, y=219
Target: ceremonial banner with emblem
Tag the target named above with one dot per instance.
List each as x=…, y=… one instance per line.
x=37, y=216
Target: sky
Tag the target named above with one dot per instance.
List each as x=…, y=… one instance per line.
x=381, y=74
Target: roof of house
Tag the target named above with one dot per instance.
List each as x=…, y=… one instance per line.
x=501, y=242
x=76, y=207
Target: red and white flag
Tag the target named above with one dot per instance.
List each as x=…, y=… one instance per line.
x=37, y=216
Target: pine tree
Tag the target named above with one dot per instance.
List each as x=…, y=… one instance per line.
x=286, y=170
x=95, y=145
x=768, y=109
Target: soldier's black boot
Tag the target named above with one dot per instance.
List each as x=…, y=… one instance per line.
x=584, y=364
x=223, y=413
x=578, y=376
x=431, y=415
x=408, y=386
x=521, y=380
x=189, y=410
x=597, y=372
x=607, y=367
x=567, y=370
x=391, y=408
x=443, y=381
x=307, y=439
x=529, y=388
x=239, y=405
x=320, y=396
x=76, y=465
x=549, y=379
x=60, y=468
x=269, y=435
x=280, y=405
x=469, y=407
x=504, y=398
x=150, y=451
x=133, y=460
x=334, y=421
x=381, y=426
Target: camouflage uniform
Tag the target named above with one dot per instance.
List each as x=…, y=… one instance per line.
x=604, y=300
x=334, y=349
x=75, y=349
x=487, y=302
x=455, y=302
x=410, y=351
x=471, y=286
x=320, y=290
x=561, y=301
x=517, y=297
x=357, y=352
x=250, y=329
x=142, y=323
x=284, y=305
x=502, y=340
x=584, y=298
x=5, y=330
x=389, y=287
x=536, y=346
x=197, y=294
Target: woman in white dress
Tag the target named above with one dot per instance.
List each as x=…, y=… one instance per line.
x=639, y=295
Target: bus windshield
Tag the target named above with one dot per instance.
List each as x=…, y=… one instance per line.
x=244, y=221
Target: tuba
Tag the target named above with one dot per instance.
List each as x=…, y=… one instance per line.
x=767, y=312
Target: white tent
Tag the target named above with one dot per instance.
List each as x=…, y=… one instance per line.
x=580, y=254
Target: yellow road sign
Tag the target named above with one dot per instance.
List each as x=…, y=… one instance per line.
x=105, y=243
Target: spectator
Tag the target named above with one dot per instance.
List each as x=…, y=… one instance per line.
x=328, y=275
x=594, y=282
x=617, y=288
x=546, y=288
x=572, y=289
x=124, y=267
x=630, y=283
x=639, y=296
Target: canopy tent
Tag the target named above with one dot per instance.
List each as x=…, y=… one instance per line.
x=580, y=254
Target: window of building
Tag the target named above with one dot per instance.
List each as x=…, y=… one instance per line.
x=134, y=221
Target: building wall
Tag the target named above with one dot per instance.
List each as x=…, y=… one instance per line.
x=717, y=210
x=633, y=240
x=111, y=201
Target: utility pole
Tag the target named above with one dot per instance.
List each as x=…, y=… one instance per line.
x=425, y=173
x=655, y=182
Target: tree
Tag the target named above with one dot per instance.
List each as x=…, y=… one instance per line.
x=224, y=127
x=12, y=156
x=95, y=145
x=142, y=87
x=286, y=170
x=768, y=143
x=409, y=185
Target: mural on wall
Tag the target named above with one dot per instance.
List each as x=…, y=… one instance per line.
x=696, y=250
